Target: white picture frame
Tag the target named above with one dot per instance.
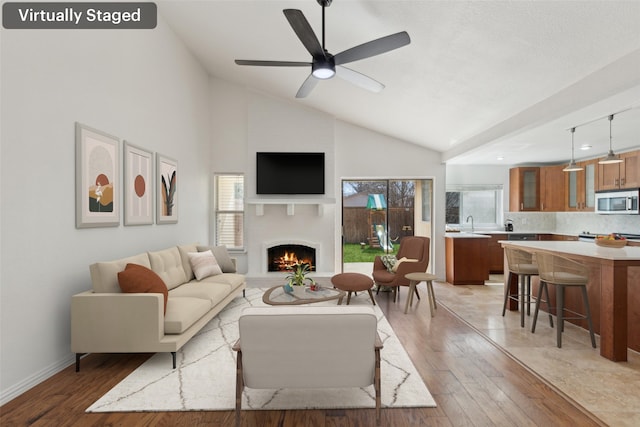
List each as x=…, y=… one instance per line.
x=167, y=190
x=138, y=185
x=98, y=181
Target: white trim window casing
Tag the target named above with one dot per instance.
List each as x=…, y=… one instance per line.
x=229, y=211
x=482, y=202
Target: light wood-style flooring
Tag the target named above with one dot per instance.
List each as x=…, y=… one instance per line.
x=473, y=382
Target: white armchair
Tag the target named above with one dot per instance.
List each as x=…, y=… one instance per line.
x=278, y=345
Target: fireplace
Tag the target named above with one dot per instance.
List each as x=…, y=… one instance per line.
x=279, y=257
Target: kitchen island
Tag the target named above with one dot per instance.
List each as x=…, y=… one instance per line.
x=466, y=258
x=613, y=288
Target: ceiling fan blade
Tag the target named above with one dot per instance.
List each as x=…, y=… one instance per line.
x=272, y=63
x=359, y=79
x=304, y=32
x=307, y=87
x=373, y=48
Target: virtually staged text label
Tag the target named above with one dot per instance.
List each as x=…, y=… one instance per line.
x=39, y=15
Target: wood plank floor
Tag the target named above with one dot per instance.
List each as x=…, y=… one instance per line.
x=472, y=381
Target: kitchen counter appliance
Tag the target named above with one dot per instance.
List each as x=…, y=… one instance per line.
x=522, y=236
x=508, y=225
x=618, y=202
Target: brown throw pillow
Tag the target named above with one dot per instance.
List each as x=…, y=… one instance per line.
x=139, y=279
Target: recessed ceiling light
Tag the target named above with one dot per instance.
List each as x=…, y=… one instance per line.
x=500, y=158
x=585, y=147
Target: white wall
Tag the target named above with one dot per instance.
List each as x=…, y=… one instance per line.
x=139, y=85
x=480, y=174
x=277, y=125
x=280, y=125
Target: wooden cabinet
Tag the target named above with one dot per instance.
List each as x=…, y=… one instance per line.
x=552, y=184
x=620, y=175
x=562, y=238
x=466, y=260
x=524, y=189
x=580, y=187
x=550, y=189
x=536, y=189
x=495, y=254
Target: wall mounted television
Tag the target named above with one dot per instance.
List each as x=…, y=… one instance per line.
x=289, y=173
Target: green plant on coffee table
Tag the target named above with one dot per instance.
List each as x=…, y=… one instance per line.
x=298, y=274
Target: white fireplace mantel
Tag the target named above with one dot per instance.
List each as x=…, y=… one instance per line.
x=290, y=204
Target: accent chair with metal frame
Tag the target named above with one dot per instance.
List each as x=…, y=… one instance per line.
x=308, y=347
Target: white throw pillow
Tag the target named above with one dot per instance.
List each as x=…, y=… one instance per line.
x=222, y=256
x=400, y=261
x=204, y=264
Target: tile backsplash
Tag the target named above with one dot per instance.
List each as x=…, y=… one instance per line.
x=597, y=223
x=574, y=222
x=532, y=221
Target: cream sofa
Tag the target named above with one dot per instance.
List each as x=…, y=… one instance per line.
x=106, y=320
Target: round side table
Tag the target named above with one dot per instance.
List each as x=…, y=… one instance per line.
x=414, y=279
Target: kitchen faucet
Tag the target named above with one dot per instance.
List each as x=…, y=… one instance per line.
x=470, y=216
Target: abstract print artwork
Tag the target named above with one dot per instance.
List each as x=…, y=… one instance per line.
x=167, y=184
x=138, y=185
x=97, y=178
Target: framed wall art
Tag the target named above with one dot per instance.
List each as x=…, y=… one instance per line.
x=167, y=193
x=97, y=178
x=138, y=185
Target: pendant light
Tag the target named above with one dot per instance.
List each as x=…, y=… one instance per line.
x=572, y=167
x=611, y=157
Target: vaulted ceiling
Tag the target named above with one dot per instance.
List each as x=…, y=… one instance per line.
x=480, y=79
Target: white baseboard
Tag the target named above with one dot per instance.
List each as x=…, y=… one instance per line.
x=17, y=389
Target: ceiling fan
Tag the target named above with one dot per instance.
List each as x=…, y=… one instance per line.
x=324, y=65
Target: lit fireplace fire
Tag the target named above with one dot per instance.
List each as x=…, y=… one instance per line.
x=281, y=257
x=289, y=259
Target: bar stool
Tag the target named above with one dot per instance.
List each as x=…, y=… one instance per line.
x=415, y=278
x=522, y=265
x=562, y=272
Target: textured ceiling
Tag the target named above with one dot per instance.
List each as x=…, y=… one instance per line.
x=479, y=80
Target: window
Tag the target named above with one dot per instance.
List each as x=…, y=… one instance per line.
x=229, y=208
x=482, y=202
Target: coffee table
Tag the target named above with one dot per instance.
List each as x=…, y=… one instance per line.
x=301, y=295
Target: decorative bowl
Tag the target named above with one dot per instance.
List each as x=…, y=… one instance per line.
x=611, y=243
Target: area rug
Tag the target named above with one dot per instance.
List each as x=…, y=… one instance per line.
x=204, y=379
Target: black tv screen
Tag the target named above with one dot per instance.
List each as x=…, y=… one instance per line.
x=289, y=173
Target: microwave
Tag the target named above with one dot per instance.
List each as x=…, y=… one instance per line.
x=617, y=201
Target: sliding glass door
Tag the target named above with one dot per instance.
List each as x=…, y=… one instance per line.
x=377, y=214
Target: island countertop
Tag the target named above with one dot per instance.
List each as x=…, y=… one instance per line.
x=613, y=288
x=583, y=249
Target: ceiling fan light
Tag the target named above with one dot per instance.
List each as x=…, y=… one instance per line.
x=323, y=71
